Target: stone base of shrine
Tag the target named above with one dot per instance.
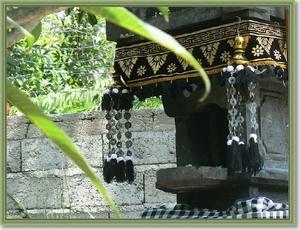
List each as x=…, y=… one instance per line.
x=211, y=187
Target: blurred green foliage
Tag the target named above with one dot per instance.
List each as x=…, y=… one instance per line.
x=69, y=65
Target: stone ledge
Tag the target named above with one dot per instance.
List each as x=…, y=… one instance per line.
x=203, y=178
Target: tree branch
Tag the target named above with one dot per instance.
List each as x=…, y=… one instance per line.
x=24, y=15
x=28, y=17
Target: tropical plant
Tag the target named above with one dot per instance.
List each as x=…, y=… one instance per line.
x=68, y=66
x=121, y=17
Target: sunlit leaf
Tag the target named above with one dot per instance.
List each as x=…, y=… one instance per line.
x=16, y=98
x=36, y=32
x=122, y=17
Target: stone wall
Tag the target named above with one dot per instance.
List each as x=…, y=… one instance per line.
x=50, y=185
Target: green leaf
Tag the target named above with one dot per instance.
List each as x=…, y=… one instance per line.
x=92, y=19
x=21, y=206
x=16, y=98
x=36, y=32
x=69, y=10
x=96, y=97
x=79, y=17
x=122, y=17
x=11, y=60
x=165, y=12
x=29, y=36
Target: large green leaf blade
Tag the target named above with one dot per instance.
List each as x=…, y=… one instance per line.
x=122, y=17
x=56, y=134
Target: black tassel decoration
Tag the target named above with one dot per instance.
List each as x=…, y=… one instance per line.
x=120, y=169
x=229, y=155
x=243, y=151
x=106, y=99
x=245, y=74
x=255, y=160
x=234, y=160
x=109, y=169
x=126, y=99
x=129, y=169
x=116, y=99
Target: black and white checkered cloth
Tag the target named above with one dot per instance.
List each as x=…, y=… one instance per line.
x=254, y=208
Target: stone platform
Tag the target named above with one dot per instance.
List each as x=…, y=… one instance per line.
x=216, y=190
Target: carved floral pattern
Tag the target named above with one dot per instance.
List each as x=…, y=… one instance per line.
x=283, y=49
x=265, y=43
x=277, y=55
x=171, y=68
x=141, y=70
x=156, y=61
x=257, y=51
x=127, y=65
x=225, y=56
x=209, y=51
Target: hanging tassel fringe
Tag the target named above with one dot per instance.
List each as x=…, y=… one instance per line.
x=243, y=151
x=129, y=169
x=121, y=100
x=105, y=103
x=120, y=170
x=234, y=160
x=109, y=168
x=255, y=160
x=126, y=100
x=114, y=101
x=245, y=74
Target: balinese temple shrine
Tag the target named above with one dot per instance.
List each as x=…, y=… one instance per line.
x=234, y=145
